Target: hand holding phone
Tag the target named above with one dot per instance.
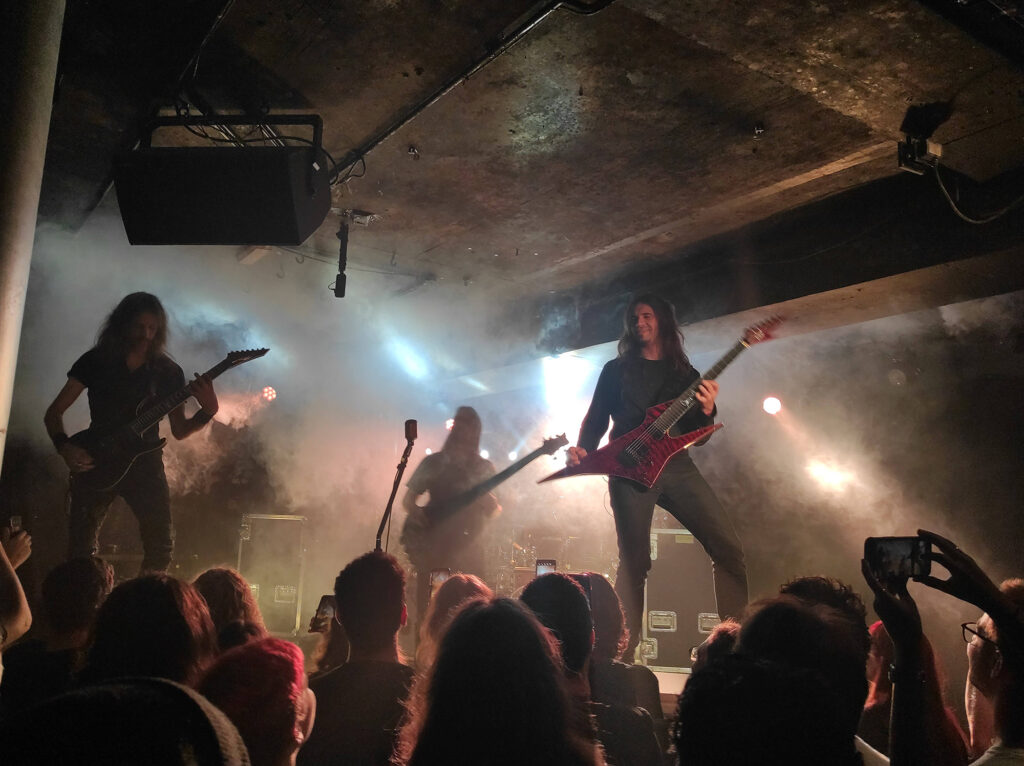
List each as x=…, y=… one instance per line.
x=321, y=620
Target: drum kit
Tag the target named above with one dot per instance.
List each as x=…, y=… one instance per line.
x=513, y=557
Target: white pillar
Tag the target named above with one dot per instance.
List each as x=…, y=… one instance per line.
x=31, y=42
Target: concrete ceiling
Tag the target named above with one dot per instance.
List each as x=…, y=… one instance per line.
x=600, y=153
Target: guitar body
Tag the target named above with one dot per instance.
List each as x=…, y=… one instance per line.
x=641, y=454
x=113, y=452
x=115, y=447
x=645, y=462
x=434, y=537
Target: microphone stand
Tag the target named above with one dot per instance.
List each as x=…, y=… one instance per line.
x=394, y=490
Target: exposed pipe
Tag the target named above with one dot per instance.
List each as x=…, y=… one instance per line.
x=31, y=42
x=512, y=34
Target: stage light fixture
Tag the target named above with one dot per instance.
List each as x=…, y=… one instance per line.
x=772, y=405
x=269, y=393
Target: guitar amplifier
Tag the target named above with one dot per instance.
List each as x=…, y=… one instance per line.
x=271, y=557
x=679, y=601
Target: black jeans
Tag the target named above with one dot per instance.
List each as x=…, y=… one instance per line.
x=684, y=493
x=145, y=490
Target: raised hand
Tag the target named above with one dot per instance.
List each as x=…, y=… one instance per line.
x=896, y=608
x=967, y=581
x=18, y=547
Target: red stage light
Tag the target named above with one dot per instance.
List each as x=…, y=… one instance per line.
x=269, y=393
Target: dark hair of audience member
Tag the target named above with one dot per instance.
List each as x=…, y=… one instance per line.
x=452, y=594
x=788, y=630
x=153, y=626
x=832, y=592
x=742, y=710
x=237, y=633
x=73, y=592
x=720, y=642
x=561, y=606
x=495, y=695
x=229, y=598
x=261, y=687
x=611, y=636
x=370, y=599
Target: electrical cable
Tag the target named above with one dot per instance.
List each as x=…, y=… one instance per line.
x=987, y=219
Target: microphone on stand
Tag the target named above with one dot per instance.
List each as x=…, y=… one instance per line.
x=410, y=437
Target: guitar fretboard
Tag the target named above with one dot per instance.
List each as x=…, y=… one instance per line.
x=147, y=419
x=688, y=399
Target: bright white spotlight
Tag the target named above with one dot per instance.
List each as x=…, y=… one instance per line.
x=449, y=424
x=485, y=454
x=513, y=455
x=829, y=476
x=429, y=451
x=269, y=393
x=772, y=405
x=413, y=364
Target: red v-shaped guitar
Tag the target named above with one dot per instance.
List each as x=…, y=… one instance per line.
x=641, y=454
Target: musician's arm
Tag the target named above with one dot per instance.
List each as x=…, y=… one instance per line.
x=595, y=423
x=202, y=390
x=77, y=459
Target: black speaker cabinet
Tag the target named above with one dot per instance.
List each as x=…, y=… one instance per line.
x=679, y=601
x=271, y=557
x=260, y=195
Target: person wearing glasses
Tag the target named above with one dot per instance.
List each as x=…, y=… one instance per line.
x=994, y=692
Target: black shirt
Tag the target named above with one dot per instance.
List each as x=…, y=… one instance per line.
x=359, y=706
x=626, y=388
x=115, y=392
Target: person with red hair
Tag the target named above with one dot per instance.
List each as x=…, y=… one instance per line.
x=261, y=687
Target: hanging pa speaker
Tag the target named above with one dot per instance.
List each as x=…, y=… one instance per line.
x=223, y=195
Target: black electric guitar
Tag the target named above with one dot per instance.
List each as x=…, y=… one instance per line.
x=421, y=532
x=115, y=446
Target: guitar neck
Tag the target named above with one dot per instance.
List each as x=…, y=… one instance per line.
x=688, y=399
x=150, y=417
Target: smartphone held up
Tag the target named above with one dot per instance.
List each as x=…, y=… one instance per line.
x=898, y=558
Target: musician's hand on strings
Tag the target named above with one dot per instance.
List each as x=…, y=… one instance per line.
x=202, y=390
x=574, y=455
x=76, y=458
x=706, y=393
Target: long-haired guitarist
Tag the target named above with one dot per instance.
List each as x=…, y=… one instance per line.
x=128, y=365
x=652, y=368
x=450, y=541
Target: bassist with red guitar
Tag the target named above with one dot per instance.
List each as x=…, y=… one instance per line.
x=651, y=368
x=128, y=365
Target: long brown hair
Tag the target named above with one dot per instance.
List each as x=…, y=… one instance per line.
x=113, y=336
x=669, y=335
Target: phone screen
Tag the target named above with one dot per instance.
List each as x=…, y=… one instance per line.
x=898, y=557
x=544, y=566
x=324, y=614
x=15, y=524
x=438, y=576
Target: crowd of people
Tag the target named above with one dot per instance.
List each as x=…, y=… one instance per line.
x=157, y=670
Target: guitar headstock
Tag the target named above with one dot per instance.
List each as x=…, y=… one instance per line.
x=235, y=358
x=555, y=443
x=762, y=330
